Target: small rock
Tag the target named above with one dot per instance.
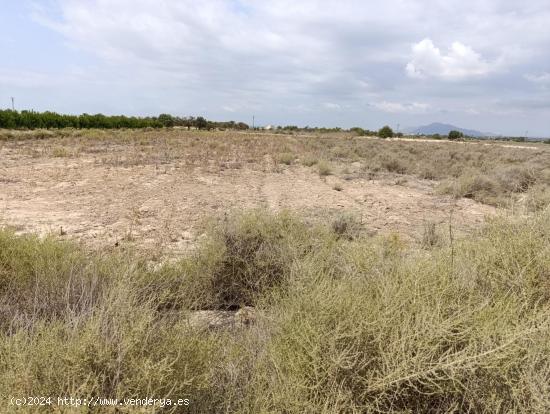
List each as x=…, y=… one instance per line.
x=218, y=319
x=246, y=316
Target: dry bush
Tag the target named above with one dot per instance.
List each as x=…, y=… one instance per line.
x=347, y=226
x=46, y=280
x=394, y=165
x=343, y=153
x=431, y=237
x=60, y=152
x=537, y=198
x=517, y=179
x=324, y=168
x=362, y=325
x=429, y=338
x=501, y=172
x=309, y=161
x=471, y=185
x=286, y=158
x=474, y=186
x=427, y=173
x=37, y=134
x=254, y=256
x=241, y=259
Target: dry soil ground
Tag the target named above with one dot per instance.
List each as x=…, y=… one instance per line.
x=107, y=192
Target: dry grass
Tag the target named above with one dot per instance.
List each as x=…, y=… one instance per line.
x=347, y=226
x=60, y=152
x=344, y=324
x=324, y=168
x=537, y=198
x=489, y=172
x=286, y=158
x=309, y=161
x=431, y=235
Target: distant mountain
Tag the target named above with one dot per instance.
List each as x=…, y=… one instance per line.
x=443, y=129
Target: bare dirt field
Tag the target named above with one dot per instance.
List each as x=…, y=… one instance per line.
x=154, y=189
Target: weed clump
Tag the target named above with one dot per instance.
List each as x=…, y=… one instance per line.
x=346, y=226
x=286, y=158
x=309, y=161
x=471, y=185
x=394, y=165
x=245, y=256
x=46, y=280
x=60, y=152
x=430, y=235
x=537, y=198
x=517, y=180
x=324, y=168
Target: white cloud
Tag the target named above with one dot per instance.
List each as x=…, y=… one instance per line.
x=30, y=79
x=460, y=62
x=332, y=106
x=301, y=62
x=398, y=107
x=542, y=78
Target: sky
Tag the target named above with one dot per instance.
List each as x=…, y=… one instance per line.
x=480, y=64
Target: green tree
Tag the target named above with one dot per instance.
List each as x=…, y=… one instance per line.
x=454, y=135
x=201, y=123
x=30, y=120
x=166, y=120
x=385, y=132
x=358, y=130
x=8, y=119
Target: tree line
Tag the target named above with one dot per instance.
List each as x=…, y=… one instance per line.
x=10, y=119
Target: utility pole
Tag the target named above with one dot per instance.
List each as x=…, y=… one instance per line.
x=252, y=122
x=12, y=104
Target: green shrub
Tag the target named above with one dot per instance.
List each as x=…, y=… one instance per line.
x=385, y=132
x=358, y=131
x=428, y=339
x=454, y=135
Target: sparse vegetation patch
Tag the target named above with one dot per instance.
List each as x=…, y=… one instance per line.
x=345, y=322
